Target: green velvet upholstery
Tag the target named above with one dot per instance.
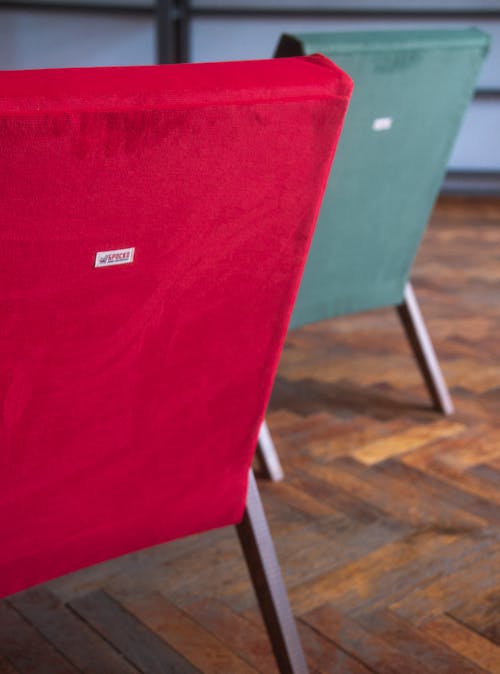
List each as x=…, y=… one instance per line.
x=384, y=182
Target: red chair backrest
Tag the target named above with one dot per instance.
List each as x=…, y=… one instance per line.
x=133, y=383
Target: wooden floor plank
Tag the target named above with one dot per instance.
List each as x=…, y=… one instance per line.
x=144, y=649
x=492, y=632
x=185, y=634
x=489, y=473
x=411, y=439
x=466, y=480
x=431, y=487
x=390, y=572
x=375, y=653
x=466, y=642
x=326, y=656
x=248, y=640
x=443, y=595
x=6, y=667
x=23, y=647
x=349, y=503
x=393, y=497
x=70, y=635
x=481, y=613
x=439, y=656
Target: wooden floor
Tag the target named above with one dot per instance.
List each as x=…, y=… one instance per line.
x=387, y=523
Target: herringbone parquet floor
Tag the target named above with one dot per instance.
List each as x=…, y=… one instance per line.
x=387, y=523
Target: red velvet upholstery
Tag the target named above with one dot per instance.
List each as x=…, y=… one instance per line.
x=131, y=395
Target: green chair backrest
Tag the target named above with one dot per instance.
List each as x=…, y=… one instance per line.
x=411, y=89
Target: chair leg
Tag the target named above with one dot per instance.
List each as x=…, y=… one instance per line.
x=260, y=555
x=268, y=455
x=413, y=322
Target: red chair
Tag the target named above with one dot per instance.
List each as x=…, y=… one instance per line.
x=155, y=223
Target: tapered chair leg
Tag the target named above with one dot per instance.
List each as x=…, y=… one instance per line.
x=413, y=322
x=268, y=455
x=265, y=572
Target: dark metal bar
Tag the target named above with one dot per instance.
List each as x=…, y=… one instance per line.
x=268, y=455
x=172, y=44
x=413, y=322
x=77, y=6
x=472, y=182
x=165, y=31
x=182, y=31
x=487, y=94
x=265, y=572
x=332, y=12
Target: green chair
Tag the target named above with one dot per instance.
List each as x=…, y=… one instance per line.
x=411, y=90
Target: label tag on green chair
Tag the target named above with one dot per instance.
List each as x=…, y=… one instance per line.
x=382, y=124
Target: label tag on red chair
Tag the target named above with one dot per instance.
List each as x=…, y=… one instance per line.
x=107, y=258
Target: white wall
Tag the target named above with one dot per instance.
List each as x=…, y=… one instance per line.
x=38, y=38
